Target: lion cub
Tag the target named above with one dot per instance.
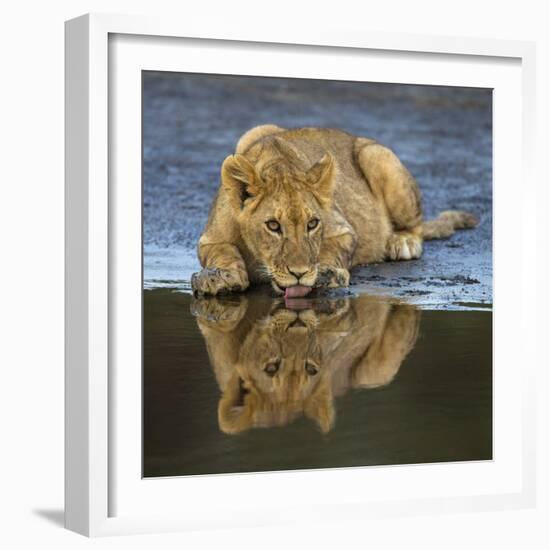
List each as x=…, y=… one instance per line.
x=274, y=364
x=299, y=208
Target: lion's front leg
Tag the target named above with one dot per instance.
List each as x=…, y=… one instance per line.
x=332, y=277
x=221, y=315
x=224, y=271
x=335, y=260
x=214, y=281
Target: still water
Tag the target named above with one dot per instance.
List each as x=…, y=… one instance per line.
x=250, y=383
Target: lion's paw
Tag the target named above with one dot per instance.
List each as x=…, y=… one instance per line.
x=220, y=313
x=214, y=281
x=332, y=277
x=404, y=245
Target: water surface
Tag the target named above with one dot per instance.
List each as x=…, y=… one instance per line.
x=250, y=383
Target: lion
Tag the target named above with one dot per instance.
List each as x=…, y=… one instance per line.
x=275, y=363
x=299, y=208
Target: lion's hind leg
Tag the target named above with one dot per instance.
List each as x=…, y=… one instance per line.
x=395, y=187
x=383, y=357
x=405, y=245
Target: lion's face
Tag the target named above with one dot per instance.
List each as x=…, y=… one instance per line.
x=280, y=211
x=285, y=231
x=276, y=360
x=281, y=356
x=279, y=375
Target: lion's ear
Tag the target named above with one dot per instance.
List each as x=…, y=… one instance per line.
x=320, y=407
x=240, y=179
x=321, y=178
x=235, y=414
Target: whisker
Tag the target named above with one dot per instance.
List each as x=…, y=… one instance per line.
x=264, y=273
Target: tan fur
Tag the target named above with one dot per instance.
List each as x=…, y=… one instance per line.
x=254, y=134
x=446, y=224
x=350, y=343
x=366, y=203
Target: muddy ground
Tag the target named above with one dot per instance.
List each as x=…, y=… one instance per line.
x=443, y=135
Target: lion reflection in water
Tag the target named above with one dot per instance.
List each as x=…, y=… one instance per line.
x=275, y=362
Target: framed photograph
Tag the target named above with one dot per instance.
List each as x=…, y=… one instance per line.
x=293, y=285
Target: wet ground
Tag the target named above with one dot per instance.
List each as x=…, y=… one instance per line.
x=248, y=383
x=444, y=136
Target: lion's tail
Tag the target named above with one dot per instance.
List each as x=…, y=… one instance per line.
x=447, y=223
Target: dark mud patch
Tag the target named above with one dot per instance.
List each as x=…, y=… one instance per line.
x=415, y=292
x=430, y=281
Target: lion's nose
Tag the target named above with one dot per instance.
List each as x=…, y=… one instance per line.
x=296, y=272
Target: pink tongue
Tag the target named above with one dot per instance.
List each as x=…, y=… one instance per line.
x=297, y=291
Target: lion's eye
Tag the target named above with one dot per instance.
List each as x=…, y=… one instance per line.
x=273, y=225
x=311, y=369
x=312, y=224
x=271, y=369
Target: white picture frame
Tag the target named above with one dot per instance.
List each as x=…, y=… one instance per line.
x=93, y=225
